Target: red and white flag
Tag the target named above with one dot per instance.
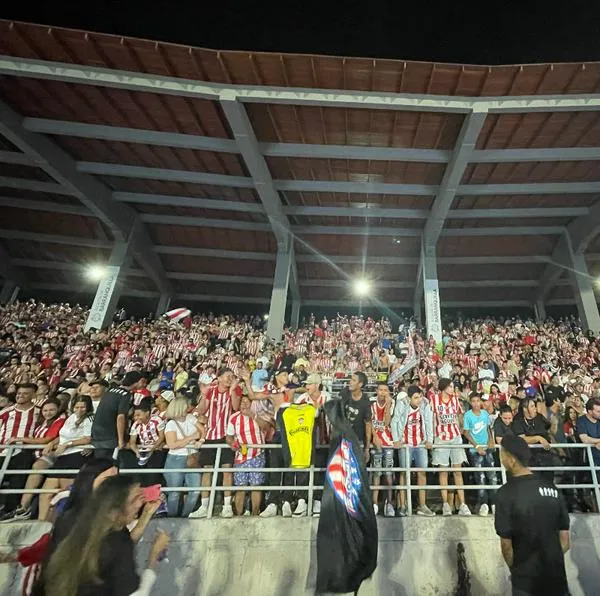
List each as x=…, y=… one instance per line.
x=178, y=314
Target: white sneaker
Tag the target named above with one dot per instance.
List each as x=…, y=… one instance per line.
x=484, y=510
x=247, y=513
x=446, y=509
x=388, y=510
x=301, y=508
x=270, y=511
x=316, y=508
x=375, y=508
x=464, y=509
x=201, y=512
x=493, y=509
x=424, y=510
x=286, y=509
x=227, y=511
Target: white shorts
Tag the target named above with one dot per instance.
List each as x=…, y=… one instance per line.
x=448, y=457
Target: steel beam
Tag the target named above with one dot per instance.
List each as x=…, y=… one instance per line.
x=16, y=158
x=215, y=253
x=32, y=205
x=34, y=185
x=54, y=239
x=204, y=222
x=302, y=150
x=120, y=219
x=136, y=81
x=536, y=188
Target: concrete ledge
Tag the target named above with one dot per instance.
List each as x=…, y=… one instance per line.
x=275, y=557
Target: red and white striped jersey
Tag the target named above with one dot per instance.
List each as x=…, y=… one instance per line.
x=147, y=433
x=247, y=432
x=17, y=423
x=45, y=431
x=382, y=430
x=413, y=432
x=219, y=412
x=446, y=426
x=252, y=347
x=224, y=332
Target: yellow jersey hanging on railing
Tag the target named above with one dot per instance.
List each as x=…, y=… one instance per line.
x=296, y=424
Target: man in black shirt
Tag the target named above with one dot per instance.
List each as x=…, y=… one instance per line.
x=555, y=390
x=502, y=424
x=533, y=525
x=358, y=410
x=109, y=429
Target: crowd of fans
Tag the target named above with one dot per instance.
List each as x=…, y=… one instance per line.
x=154, y=394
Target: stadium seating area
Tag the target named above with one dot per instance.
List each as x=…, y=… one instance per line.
x=503, y=360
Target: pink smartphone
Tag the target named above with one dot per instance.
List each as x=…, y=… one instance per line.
x=151, y=493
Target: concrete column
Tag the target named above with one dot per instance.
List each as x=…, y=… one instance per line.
x=433, y=315
x=583, y=288
x=295, y=319
x=540, y=311
x=163, y=304
x=283, y=266
x=9, y=292
x=109, y=291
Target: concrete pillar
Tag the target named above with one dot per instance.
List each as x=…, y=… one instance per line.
x=283, y=266
x=9, y=292
x=295, y=319
x=583, y=288
x=108, y=292
x=540, y=311
x=431, y=290
x=163, y=304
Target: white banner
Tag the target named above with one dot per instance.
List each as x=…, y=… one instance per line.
x=102, y=300
x=433, y=315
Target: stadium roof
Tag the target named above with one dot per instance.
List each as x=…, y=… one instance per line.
x=216, y=156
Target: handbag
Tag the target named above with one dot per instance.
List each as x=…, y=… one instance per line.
x=192, y=456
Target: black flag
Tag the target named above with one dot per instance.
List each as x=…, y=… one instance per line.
x=347, y=536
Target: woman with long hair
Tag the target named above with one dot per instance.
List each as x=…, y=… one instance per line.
x=97, y=557
x=45, y=432
x=68, y=448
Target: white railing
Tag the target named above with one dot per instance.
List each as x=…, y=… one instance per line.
x=408, y=486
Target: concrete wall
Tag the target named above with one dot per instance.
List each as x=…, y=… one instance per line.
x=275, y=557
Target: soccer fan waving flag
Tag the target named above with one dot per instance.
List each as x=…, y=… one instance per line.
x=347, y=536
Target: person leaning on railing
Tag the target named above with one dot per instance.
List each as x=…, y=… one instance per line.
x=183, y=433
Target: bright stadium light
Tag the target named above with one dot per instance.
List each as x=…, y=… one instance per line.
x=266, y=317
x=95, y=272
x=362, y=287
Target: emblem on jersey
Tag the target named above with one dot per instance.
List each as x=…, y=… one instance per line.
x=300, y=420
x=343, y=475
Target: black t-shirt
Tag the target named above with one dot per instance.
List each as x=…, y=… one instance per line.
x=117, y=568
x=357, y=411
x=104, y=428
x=537, y=426
x=531, y=513
x=501, y=429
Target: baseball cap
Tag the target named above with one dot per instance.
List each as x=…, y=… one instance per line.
x=131, y=378
x=98, y=382
x=167, y=395
x=313, y=379
x=517, y=447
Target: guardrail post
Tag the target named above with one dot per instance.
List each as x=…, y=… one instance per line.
x=213, y=484
x=311, y=488
x=594, y=476
x=5, y=464
x=502, y=469
x=407, y=482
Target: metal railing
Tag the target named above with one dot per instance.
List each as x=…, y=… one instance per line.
x=408, y=486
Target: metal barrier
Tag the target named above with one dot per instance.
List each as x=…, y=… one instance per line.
x=310, y=488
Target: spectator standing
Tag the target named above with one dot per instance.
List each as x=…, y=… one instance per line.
x=412, y=432
x=17, y=422
x=259, y=377
x=588, y=427
x=533, y=525
x=96, y=391
x=217, y=404
x=502, y=424
x=109, y=430
x=243, y=430
x=447, y=416
x=182, y=435
x=477, y=431
x=358, y=411
x=382, y=453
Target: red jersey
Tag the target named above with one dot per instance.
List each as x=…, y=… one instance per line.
x=148, y=433
x=139, y=395
x=247, y=432
x=383, y=431
x=445, y=415
x=413, y=432
x=43, y=431
x=219, y=411
x=17, y=423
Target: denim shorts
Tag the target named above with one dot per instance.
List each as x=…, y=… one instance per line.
x=382, y=458
x=417, y=456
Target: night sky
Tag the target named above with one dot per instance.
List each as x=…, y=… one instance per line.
x=462, y=31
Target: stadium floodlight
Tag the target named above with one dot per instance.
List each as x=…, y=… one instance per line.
x=362, y=287
x=95, y=272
